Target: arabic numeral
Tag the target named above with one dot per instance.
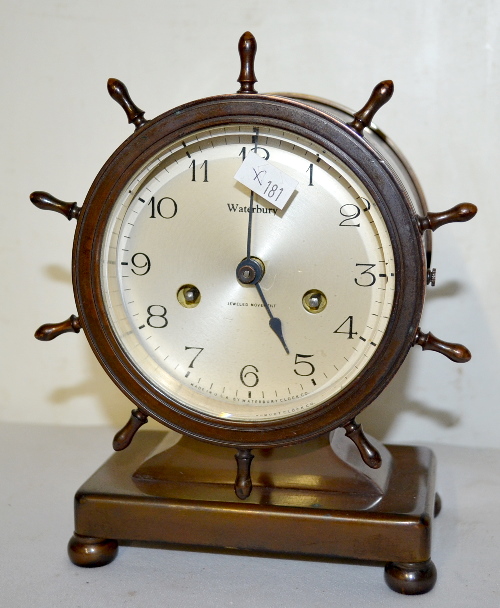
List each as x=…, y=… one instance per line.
x=249, y=378
x=165, y=208
x=310, y=171
x=348, y=323
x=136, y=260
x=369, y=278
x=350, y=211
x=307, y=368
x=157, y=316
x=204, y=165
x=263, y=154
x=198, y=348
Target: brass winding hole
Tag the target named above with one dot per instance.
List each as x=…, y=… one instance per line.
x=188, y=296
x=314, y=301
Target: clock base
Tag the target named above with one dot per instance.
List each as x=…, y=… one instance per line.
x=326, y=513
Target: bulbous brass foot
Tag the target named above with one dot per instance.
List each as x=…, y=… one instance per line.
x=411, y=579
x=89, y=552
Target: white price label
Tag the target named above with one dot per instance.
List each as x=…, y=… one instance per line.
x=266, y=180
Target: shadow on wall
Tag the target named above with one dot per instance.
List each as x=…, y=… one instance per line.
x=112, y=401
x=58, y=274
x=115, y=406
x=381, y=415
x=379, y=418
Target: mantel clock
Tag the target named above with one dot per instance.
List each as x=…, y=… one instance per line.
x=250, y=271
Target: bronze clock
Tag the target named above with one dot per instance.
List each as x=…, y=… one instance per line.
x=250, y=271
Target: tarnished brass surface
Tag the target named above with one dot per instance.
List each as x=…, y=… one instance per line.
x=302, y=503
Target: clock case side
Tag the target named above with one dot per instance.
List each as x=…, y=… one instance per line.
x=334, y=136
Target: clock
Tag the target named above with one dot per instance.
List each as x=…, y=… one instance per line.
x=250, y=271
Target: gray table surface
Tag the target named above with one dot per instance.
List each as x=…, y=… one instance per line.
x=41, y=468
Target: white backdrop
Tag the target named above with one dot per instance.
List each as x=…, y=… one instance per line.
x=59, y=126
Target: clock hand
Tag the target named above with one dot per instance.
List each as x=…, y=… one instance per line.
x=250, y=209
x=274, y=322
x=249, y=233
x=250, y=272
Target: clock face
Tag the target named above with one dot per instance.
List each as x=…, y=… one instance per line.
x=165, y=250
x=171, y=246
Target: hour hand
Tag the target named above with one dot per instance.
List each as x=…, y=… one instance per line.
x=250, y=272
x=274, y=322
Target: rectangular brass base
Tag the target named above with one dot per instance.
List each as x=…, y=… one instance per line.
x=299, y=508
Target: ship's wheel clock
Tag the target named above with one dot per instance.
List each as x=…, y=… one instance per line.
x=250, y=271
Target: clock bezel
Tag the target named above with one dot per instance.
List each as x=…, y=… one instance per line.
x=334, y=136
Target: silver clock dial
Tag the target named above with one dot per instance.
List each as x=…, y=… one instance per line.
x=174, y=240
